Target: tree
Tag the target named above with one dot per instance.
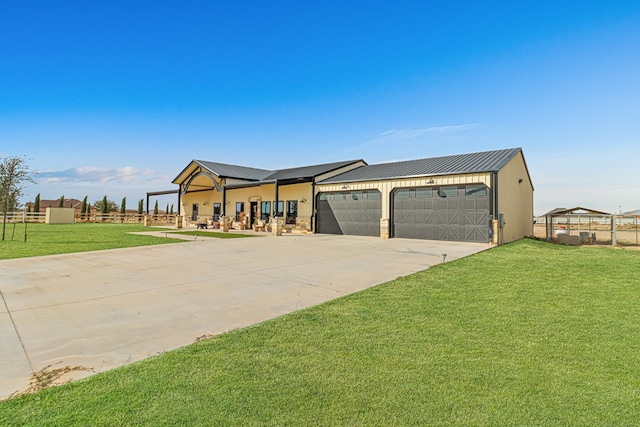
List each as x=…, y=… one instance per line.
x=13, y=172
x=166, y=211
x=83, y=209
x=107, y=204
x=123, y=208
x=155, y=208
x=171, y=210
x=140, y=206
x=61, y=202
x=36, y=204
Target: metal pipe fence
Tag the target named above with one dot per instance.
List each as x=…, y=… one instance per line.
x=605, y=230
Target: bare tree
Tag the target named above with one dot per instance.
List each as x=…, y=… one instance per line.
x=13, y=172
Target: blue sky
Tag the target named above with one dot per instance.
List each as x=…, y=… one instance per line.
x=117, y=98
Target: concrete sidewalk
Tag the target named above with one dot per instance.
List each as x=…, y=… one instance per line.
x=99, y=310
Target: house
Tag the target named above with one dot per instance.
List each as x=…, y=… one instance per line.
x=476, y=197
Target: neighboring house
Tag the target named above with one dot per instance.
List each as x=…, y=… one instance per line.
x=477, y=197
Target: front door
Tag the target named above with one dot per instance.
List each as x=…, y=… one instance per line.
x=194, y=212
x=253, y=213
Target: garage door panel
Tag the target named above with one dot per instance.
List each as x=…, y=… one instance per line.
x=345, y=214
x=446, y=215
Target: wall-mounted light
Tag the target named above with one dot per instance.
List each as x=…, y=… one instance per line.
x=431, y=181
x=520, y=181
x=206, y=202
x=345, y=187
x=184, y=204
x=304, y=200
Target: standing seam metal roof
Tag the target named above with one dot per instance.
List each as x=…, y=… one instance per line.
x=253, y=174
x=234, y=171
x=487, y=161
x=308, y=171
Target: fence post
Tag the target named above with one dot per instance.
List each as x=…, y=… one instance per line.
x=613, y=230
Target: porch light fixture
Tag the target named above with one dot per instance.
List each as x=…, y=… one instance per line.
x=431, y=181
x=304, y=200
x=206, y=202
x=345, y=187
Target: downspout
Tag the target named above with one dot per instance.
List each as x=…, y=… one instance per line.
x=313, y=205
x=495, y=215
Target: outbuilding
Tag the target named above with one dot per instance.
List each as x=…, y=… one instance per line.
x=477, y=197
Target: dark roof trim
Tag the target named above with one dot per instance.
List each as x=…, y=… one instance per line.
x=572, y=211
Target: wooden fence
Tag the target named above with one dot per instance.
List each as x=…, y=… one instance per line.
x=113, y=217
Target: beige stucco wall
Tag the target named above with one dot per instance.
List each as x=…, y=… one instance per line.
x=59, y=216
x=515, y=199
x=200, y=197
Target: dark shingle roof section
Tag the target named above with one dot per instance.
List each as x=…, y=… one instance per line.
x=487, y=161
x=308, y=171
x=224, y=170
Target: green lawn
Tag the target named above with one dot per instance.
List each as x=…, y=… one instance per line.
x=525, y=334
x=49, y=239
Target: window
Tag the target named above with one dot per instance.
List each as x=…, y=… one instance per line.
x=373, y=195
x=451, y=191
x=476, y=190
x=280, y=211
x=292, y=211
x=265, y=211
x=216, y=211
x=323, y=196
x=402, y=194
x=424, y=192
x=239, y=210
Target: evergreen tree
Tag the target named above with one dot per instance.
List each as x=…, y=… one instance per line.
x=171, y=210
x=36, y=204
x=83, y=209
x=105, y=205
x=155, y=208
x=123, y=206
x=140, y=206
x=166, y=211
x=61, y=202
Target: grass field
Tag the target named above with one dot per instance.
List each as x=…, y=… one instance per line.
x=525, y=334
x=49, y=239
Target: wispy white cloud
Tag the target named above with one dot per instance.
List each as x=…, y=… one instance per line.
x=99, y=176
x=399, y=135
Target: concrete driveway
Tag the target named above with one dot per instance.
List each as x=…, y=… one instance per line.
x=99, y=310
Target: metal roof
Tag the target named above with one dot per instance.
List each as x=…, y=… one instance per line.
x=487, y=161
x=224, y=170
x=575, y=211
x=308, y=171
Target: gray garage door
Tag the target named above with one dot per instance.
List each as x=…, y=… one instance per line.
x=458, y=213
x=355, y=213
